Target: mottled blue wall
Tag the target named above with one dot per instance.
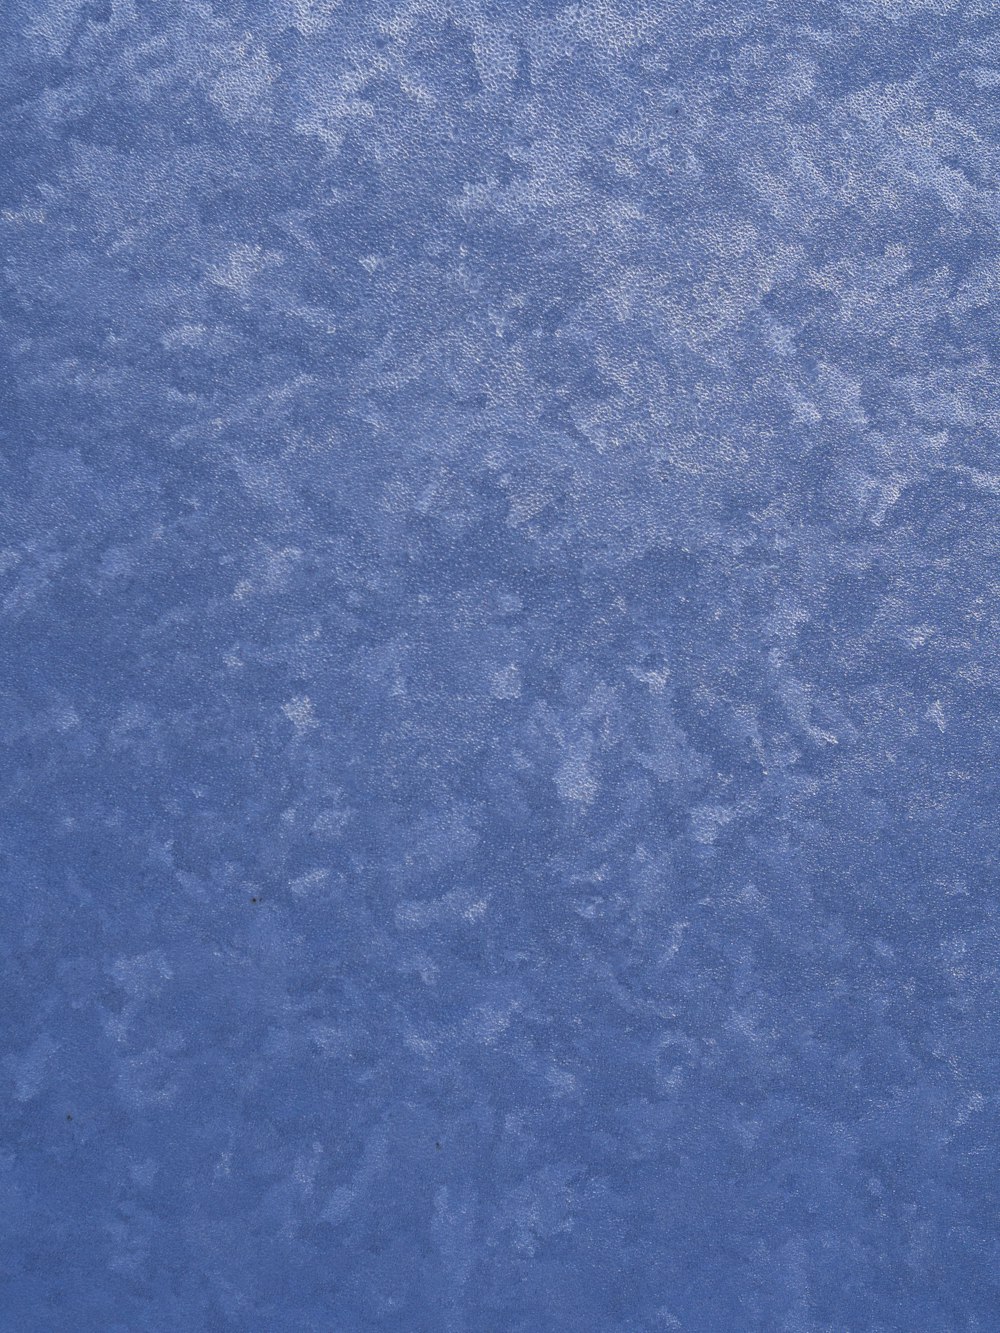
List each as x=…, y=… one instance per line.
x=498, y=666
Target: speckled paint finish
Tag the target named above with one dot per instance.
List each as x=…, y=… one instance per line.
x=498, y=667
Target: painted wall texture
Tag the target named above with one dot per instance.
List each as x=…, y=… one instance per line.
x=499, y=666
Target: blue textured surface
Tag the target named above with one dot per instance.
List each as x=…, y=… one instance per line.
x=499, y=674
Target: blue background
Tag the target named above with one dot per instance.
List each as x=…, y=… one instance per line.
x=498, y=666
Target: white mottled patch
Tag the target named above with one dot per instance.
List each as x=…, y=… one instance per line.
x=301, y=714
x=506, y=684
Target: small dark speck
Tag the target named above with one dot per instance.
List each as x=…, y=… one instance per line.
x=68, y=1116
x=253, y=900
x=438, y=1146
